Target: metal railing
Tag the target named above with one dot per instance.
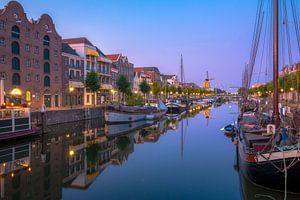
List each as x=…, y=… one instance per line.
x=14, y=119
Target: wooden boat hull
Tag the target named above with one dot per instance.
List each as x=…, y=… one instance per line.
x=123, y=117
x=265, y=173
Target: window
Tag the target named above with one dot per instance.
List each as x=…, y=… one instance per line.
x=77, y=63
x=47, y=68
x=37, y=77
x=56, y=79
x=46, y=40
x=27, y=33
x=37, y=35
x=28, y=96
x=15, y=48
x=2, y=59
x=77, y=75
x=27, y=63
x=2, y=25
x=46, y=54
x=72, y=63
x=36, y=49
x=66, y=61
x=15, y=32
x=16, y=79
x=15, y=63
x=36, y=63
x=55, y=53
x=2, y=41
x=71, y=74
x=27, y=47
x=27, y=77
x=56, y=67
x=88, y=98
x=47, y=81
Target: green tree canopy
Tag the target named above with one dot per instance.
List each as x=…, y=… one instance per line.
x=144, y=87
x=155, y=88
x=92, y=81
x=123, y=84
x=173, y=89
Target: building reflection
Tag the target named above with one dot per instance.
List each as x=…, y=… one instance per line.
x=71, y=155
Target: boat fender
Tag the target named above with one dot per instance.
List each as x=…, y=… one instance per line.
x=284, y=134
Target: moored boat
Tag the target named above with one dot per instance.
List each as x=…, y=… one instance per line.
x=15, y=122
x=126, y=114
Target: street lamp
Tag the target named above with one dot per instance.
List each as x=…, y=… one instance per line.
x=112, y=92
x=135, y=92
x=71, y=89
x=291, y=89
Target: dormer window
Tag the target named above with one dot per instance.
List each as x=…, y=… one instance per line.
x=46, y=26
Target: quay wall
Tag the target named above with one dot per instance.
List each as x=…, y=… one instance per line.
x=53, y=117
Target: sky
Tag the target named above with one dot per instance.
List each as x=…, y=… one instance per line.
x=212, y=35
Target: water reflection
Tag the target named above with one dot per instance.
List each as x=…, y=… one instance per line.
x=74, y=155
x=71, y=155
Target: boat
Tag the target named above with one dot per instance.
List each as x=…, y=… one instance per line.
x=15, y=122
x=127, y=114
x=124, y=128
x=269, y=153
x=175, y=107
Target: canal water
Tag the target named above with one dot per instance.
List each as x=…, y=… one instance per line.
x=187, y=158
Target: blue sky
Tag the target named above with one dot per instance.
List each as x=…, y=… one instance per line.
x=212, y=35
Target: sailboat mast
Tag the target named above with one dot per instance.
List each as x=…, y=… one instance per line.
x=275, y=66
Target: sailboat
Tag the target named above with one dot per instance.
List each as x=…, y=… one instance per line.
x=176, y=108
x=268, y=153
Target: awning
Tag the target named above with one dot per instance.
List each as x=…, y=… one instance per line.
x=106, y=87
x=76, y=84
x=91, y=52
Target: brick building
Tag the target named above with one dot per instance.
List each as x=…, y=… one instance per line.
x=123, y=66
x=30, y=57
x=153, y=72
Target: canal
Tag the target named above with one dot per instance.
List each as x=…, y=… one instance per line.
x=188, y=158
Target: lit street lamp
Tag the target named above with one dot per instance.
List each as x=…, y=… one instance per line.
x=71, y=89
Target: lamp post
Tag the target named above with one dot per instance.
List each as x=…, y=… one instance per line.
x=71, y=89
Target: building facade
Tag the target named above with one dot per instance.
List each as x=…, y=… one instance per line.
x=139, y=77
x=124, y=67
x=30, y=57
x=153, y=72
x=94, y=60
x=72, y=77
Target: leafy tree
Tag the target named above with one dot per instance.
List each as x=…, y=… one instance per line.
x=135, y=100
x=123, y=86
x=145, y=88
x=92, y=81
x=155, y=89
x=92, y=153
x=173, y=89
x=123, y=142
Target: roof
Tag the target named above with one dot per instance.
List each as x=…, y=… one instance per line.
x=113, y=57
x=78, y=41
x=67, y=49
x=147, y=69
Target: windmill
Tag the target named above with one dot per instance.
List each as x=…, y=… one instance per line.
x=206, y=83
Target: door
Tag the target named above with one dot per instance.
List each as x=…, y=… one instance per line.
x=56, y=100
x=47, y=101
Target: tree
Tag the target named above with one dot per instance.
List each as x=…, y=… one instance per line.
x=92, y=82
x=123, y=86
x=155, y=89
x=135, y=100
x=173, y=89
x=145, y=88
